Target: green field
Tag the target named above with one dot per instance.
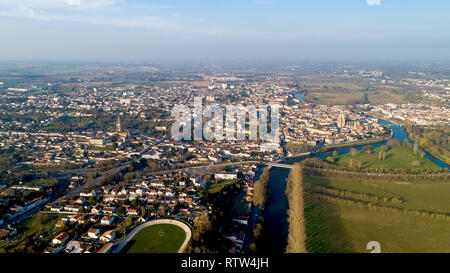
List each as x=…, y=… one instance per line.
x=345, y=97
x=333, y=98
x=102, y=148
x=216, y=186
x=396, y=158
x=343, y=228
x=27, y=230
x=160, y=238
x=429, y=196
x=240, y=205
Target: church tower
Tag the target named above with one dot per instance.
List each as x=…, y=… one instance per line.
x=118, y=125
x=341, y=120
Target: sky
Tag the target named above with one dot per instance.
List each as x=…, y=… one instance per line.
x=221, y=30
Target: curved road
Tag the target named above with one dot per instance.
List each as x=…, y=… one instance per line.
x=130, y=236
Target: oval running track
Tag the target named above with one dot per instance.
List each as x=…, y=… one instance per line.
x=130, y=236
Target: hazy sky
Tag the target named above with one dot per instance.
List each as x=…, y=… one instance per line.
x=144, y=30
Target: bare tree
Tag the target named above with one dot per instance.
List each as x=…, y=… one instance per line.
x=202, y=225
x=260, y=189
x=296, y=242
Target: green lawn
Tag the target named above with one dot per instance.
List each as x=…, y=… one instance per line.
x=340, y=228
x=333, y=98
x=216, y=186
x=333, y=228
x=160, y=238
x=102, y=148
x=28, y=228
x=430, y=197
x=29, y=225
x=240, y=205
x=396, y=158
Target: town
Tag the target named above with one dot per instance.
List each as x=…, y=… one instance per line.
x=85, y=161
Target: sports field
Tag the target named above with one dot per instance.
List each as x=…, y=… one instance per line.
x=160, y=238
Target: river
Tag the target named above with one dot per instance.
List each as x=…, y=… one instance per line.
x=275, y=217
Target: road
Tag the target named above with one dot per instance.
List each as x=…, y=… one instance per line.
x=204, y=166
x=34, y=211
x=252, y=220
x=97, y=181
x=25, y=215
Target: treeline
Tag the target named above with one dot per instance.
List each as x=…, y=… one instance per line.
x=405, y=143
x=201, y=235
x=296, y=242
x=370, y=206
x=317, y=167
x=296, y=148
x=319, y=163
x=260, y=189
x=260, y=195
x=352, y=195
x=435, y=140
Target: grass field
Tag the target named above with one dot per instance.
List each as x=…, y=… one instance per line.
x=341, y=228
x=396, y=158
x=27, y=229
x=160, y=238
x=382, y=97
x=348, y=86
x=167, y=83
x=102, y=148
x=429, y=196
x=217, y=186
x=333, y=228
x=240, y=205
x=333, y=98
x=337, y=98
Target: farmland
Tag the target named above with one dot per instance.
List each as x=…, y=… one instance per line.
x=395, y=158
x=343, y=215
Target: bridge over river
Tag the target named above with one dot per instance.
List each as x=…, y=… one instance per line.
x=279, y=165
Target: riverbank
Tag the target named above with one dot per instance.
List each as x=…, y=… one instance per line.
x=275, y=214
x=437, y=156
x=355, y=143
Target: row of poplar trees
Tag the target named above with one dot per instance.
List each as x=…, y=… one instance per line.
x=296, y=242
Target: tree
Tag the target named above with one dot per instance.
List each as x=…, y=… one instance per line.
x=297, y=232
x=257, y=230
x=162, y=210
x=122, y=227
x=296, y=148
x=202, y=225
x=121, y=210
x=252, y=248
x=260, y=189
x=368, y=149
x=37, y=222
x=416, y=148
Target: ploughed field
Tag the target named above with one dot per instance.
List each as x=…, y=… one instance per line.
x=160, y=238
